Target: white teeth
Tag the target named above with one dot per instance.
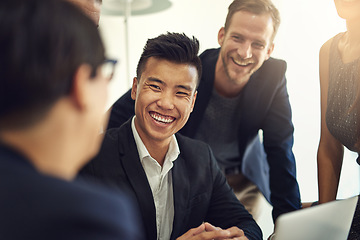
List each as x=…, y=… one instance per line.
x=161, y=119
x=243, y=63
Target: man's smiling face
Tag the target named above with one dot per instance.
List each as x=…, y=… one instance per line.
x=164, y=98
x=245, y=45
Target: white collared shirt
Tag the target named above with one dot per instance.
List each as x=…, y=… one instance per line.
x=160, y=181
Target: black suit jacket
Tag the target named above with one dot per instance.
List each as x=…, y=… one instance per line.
x=264, y=105
x=36, y=206
x=200, y=190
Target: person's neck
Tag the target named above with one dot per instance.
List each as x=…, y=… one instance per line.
x=158, y=151
x=43, y=153
x=349, y=45
x=48, y=145
x=156, y=148
x=353, y=32
x=223, y=84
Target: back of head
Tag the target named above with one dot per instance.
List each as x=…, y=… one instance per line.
x=42, y=43
x=173, y=47
x=257, y=7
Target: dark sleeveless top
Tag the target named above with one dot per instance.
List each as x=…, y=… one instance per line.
x=342, y=118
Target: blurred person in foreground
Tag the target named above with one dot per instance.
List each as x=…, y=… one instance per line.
x=177, y=184
x=54, y=78
x=340, y=105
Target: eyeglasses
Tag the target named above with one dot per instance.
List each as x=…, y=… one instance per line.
x=107, y=69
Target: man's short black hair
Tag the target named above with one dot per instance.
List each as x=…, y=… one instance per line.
x=173, y=47
x=42, y=44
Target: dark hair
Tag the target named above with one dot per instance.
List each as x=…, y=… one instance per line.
x=173, y=47
x=257, y=7
x=42, y=44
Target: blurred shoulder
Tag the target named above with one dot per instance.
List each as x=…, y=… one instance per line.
x=325, y=48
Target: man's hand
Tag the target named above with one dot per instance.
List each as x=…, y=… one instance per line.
x=206, y=231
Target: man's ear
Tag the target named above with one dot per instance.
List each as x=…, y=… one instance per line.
x=221, y=36
x=134, y=88
x=79, y=91
x=269, y=51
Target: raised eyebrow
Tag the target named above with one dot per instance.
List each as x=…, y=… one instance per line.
x=236, y=34
x=152, y=79
x=260, y=42
x=185, y=87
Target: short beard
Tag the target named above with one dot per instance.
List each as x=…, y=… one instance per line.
x=234, y=81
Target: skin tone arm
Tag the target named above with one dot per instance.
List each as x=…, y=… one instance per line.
x=330, y=151
x=206, y=231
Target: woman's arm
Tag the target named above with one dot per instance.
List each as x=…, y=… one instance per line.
x=330, y=151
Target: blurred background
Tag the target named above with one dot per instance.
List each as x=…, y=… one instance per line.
x=305, y=26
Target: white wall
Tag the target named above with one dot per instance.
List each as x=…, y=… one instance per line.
x=306, y=24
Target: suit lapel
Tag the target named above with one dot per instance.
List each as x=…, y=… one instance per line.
x=181, y=188
x=138, y=180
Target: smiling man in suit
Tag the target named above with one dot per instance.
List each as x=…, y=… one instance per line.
x=243, y=111
x=175, y=179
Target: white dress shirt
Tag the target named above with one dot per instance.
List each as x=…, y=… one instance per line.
x=160, y=181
